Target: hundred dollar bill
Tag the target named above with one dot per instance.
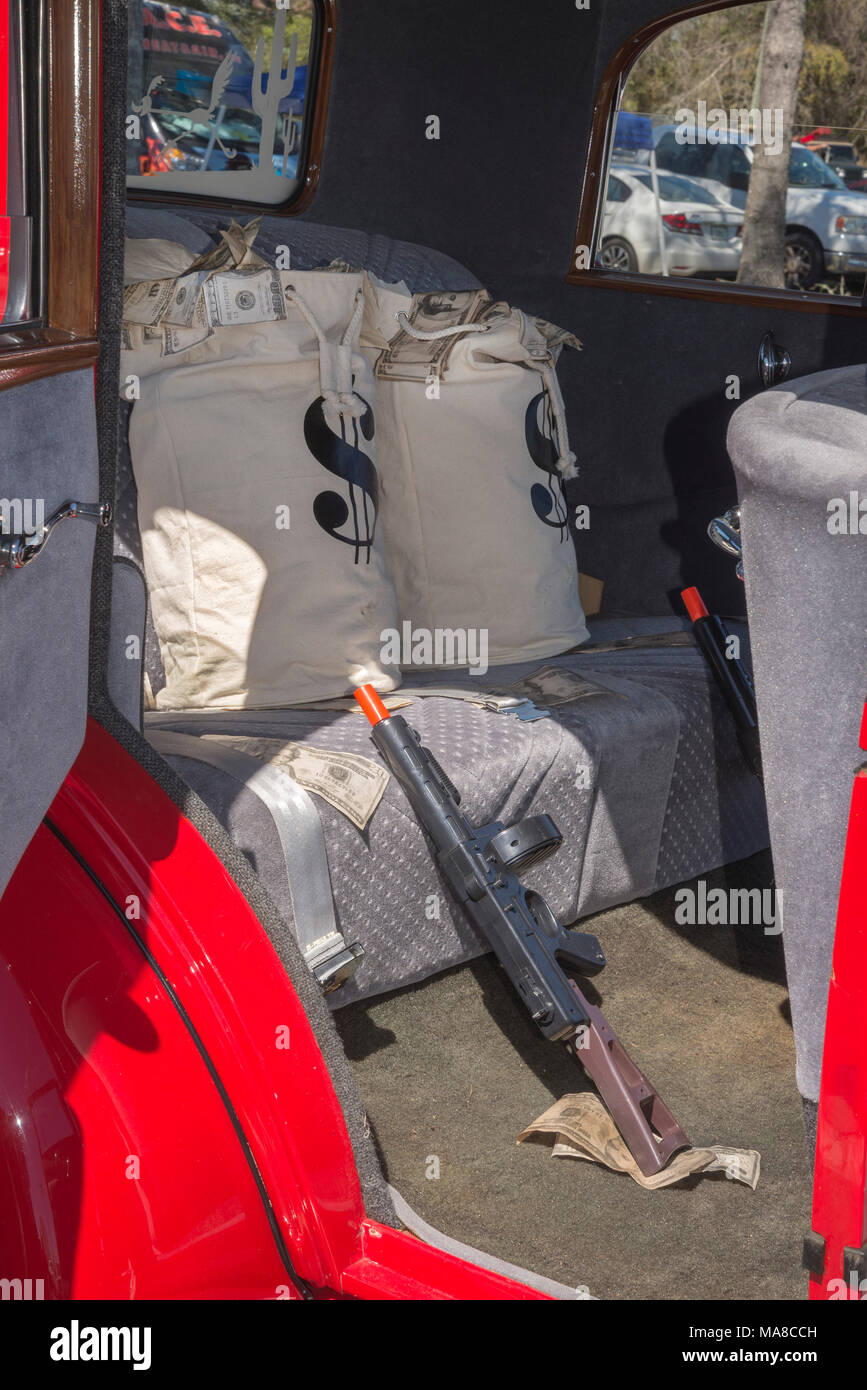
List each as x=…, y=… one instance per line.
x=186, y=299
x=408, y=358
x=351, y=783
x=147, y=301
x=175, y=338
x=582, y=1128
x=131, y=337
x=233, y=297
x=235, y=249
x=557, y=337
x=552, y=685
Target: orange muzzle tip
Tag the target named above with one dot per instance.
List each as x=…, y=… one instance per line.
x=371, y=704
x=694, y=603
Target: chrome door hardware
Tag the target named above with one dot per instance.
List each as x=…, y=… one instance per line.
x=725, y=531
x=774, y=361
x=17, y=550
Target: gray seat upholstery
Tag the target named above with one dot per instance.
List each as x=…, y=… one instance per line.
x=646, y=782
x=795, y=449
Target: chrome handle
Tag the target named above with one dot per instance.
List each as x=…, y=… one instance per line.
x=774, y=361
x=725, y=531
x=19, y=549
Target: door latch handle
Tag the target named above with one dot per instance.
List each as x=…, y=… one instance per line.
x=775, y=362
x=19, y=549
x=725, y=531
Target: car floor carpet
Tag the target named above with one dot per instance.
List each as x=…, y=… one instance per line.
x=452, y=1070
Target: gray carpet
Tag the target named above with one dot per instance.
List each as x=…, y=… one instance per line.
x=452, y=1068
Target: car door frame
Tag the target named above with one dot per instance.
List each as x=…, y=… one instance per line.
x=66, y=339
x=49, y=432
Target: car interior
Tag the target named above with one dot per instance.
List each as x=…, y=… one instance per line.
x=446, y=149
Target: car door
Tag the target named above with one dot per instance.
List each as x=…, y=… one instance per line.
x=48, y=347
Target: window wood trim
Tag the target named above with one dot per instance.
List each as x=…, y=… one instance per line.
x=67, y=341
x=589, y=210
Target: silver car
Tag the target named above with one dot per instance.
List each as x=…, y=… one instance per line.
x=701, y=233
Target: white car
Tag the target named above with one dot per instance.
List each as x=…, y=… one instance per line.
x=826, y=223
x=701, y=231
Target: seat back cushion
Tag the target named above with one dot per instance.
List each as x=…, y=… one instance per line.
x=799, y=452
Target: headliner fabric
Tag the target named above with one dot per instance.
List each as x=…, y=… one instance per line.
x=646, y=789
x=794, y=449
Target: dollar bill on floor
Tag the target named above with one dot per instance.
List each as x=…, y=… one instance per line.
x=352, y=784
x=582, y=1128
x=553, y=685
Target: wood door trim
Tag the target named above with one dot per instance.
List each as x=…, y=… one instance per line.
x=67, y=339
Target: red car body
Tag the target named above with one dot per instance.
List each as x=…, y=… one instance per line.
x=168, y=1125
x=170, y=1129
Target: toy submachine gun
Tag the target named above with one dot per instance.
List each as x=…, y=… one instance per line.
x=481, y=864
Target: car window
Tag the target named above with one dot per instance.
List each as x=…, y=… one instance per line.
x=807, y=170
x=219, y=96
x=682, y=158
x=719, y=95
x=678, y=190
x=617, y=191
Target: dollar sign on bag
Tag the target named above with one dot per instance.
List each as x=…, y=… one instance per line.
x=543, y=451
x=344, y=458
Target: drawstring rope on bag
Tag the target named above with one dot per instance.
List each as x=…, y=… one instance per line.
x=429, y=336
x=539, y=361
x=335, y=359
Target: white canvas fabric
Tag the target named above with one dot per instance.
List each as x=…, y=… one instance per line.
x=473, y=454
x=151, y=258
x=255, y=461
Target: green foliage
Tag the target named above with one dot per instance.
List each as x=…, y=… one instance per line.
x=249, y=19
x=714, y=57
x=824, y=84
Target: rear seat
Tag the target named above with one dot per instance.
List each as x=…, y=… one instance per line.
x=646, y=783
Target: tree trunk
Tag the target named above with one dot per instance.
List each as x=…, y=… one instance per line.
x=763, y=257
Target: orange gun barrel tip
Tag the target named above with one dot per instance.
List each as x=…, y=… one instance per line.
x=371, y=704
x=694, y=603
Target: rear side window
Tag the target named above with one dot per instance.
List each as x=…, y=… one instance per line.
x=220, y=95
x=733, y=96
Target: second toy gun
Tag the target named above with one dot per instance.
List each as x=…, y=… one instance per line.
x=481, y=865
